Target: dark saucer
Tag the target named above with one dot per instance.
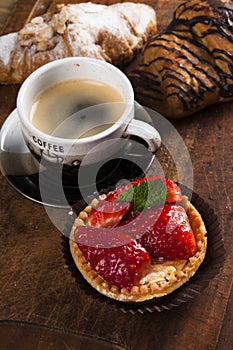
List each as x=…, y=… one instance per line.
x=59, y=187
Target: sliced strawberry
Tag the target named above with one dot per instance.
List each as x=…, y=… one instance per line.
x=171, y=236
x=115, y=256
x=136, y=224
x=108, y=214
x=165, y=232
x=174, y=193
x=128, y=219
x=116, y=192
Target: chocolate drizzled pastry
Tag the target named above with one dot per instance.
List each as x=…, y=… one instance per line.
x=190, y=65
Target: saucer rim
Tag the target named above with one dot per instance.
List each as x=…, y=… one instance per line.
x=13, y=119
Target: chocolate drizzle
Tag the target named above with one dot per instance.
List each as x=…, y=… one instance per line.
x=190, y=65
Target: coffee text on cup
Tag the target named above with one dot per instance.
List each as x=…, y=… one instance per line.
x=47, y=145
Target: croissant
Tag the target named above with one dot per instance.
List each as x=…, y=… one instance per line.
x=112, y=33
x=190, y=65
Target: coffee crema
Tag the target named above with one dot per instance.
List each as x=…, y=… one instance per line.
x=76, y=108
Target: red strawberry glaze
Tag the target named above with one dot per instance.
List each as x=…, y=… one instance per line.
x=108, y=214
x=115, y=256
x=171, y=236
x=165, y=232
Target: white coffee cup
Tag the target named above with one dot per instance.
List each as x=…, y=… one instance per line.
x=72, y=151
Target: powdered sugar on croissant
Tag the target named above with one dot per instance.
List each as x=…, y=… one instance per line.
x=113, y=33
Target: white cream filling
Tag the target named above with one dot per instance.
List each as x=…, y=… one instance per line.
x=161, y=272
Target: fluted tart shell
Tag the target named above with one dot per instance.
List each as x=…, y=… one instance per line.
x=162, y=279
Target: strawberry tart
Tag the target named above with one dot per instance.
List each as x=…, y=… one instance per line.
x=140, y=241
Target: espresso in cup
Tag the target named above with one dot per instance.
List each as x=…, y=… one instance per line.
x=79, y=110
x=76, y=108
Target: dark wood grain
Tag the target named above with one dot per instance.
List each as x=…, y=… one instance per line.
x=29, y=336
x=36, y=286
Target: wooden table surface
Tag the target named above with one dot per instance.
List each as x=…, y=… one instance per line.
x=42, y=307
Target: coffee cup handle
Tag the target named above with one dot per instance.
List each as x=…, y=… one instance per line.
x=146, y=132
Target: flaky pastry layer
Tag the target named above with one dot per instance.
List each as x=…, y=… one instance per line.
x=162, y=279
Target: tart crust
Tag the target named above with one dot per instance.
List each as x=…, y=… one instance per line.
x=162, y=279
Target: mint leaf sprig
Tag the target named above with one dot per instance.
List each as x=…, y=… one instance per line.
x=144, y=194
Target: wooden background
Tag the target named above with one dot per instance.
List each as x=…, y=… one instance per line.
x=38, y=290
x=5, y=9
